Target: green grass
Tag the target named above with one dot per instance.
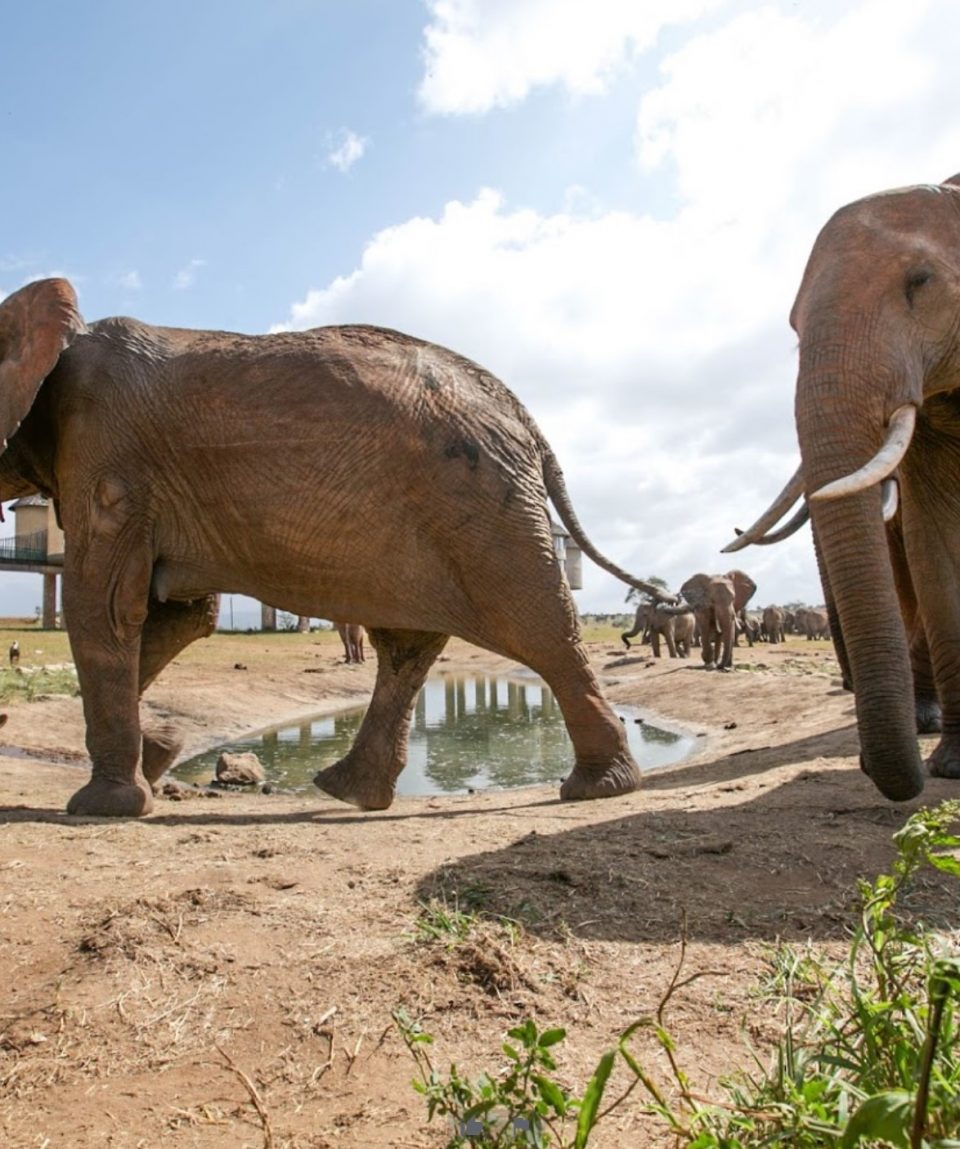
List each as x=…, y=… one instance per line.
x=31, y=685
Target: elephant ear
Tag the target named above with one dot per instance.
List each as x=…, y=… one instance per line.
x=37, y=323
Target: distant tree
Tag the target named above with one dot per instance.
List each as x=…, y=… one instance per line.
x=633, y=594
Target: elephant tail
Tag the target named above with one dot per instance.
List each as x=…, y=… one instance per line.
x=560, y=497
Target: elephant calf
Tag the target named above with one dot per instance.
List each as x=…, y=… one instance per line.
x=674, y=625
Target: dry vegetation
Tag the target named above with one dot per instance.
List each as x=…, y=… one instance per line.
x=223, y=972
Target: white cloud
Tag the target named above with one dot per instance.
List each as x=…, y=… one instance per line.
x=571, y=312
x=481, y=54
x=130, y=280
x=654, y=350
x=345, y=149
x=187, y=275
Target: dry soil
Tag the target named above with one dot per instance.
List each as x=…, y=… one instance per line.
x=222, y=973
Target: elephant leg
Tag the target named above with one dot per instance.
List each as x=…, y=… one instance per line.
x=671, y=643
x=169, y=628
x=655, y=642
x=727, y=631
x=707, y=638
x=366, y=776
x=930, y=609
x=105, y=598
x=926, y=702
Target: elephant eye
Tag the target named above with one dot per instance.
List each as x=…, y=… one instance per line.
x=914, y=281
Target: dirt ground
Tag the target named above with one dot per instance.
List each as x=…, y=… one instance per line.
x=222, y=972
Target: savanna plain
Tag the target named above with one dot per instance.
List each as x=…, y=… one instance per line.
x=223, y=972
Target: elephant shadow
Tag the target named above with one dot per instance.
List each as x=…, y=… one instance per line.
x=839, y=743
x=781, y=866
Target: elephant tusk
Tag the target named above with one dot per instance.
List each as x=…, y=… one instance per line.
x=774, y=513
x=790, y=527
x=885, y=461
x=890, y=494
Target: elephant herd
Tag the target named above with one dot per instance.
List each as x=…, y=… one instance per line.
x=711, y=613
x=185, y=463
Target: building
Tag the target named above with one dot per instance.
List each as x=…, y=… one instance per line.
x=37, y=545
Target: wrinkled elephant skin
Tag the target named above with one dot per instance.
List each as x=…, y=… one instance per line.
x=186, y=463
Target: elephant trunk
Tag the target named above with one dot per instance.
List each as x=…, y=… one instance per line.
x=840, y=423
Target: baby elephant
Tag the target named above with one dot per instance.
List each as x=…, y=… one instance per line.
x=673, y=624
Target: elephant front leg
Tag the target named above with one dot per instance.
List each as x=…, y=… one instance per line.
x=107, y=673
x=367, y=775
x=106, y=585
x=707, y=638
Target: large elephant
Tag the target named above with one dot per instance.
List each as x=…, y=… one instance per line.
x=185, y=463
x=878, y=420
x=717, y=600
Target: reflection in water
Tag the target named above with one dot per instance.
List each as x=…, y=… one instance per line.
x=467, y=732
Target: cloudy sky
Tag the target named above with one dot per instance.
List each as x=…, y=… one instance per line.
x=608, y=203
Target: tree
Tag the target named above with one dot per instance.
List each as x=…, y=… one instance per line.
x=633, y=594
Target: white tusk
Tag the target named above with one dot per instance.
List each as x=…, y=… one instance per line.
x=790, y=527
x=775, y=512
x=885, y=461
x=890, y=493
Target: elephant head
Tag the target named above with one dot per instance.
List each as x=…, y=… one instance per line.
x=878, y=420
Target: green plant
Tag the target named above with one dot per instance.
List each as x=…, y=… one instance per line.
x=438, y=921
x=869, y=1055
x=31, y=684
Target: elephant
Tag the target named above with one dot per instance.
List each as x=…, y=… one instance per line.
x=716, y=602
x=351, y=635
x=877, y=407
x=773, y=623
x=752, y=625
x=183, y=464
x=673, y=625
x=813, y=622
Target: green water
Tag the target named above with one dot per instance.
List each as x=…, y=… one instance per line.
x=470, y=732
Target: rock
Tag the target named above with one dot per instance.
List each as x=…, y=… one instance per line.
x=240, y=769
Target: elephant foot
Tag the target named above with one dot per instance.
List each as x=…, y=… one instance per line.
x=344, y=781
x=944, y=762
x=161, y=745
x=622, y=776
x=106, y=799
x=929, y=716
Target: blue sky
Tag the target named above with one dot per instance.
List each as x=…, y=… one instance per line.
x=609, y=203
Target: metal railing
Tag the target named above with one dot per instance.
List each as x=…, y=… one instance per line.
x=26, y=549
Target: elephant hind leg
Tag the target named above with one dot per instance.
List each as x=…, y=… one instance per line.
x=168, y=629
x=603, y=764
x=366, y=776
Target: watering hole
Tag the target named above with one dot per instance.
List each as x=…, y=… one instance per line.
x=468, y=732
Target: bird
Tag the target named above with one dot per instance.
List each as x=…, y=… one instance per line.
x=14, y=653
